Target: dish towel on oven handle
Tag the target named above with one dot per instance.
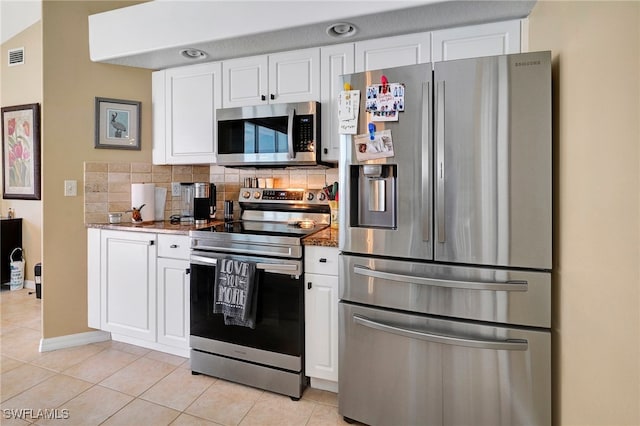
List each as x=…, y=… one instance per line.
x=235, y=292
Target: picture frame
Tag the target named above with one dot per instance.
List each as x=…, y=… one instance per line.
x=21, y=161
x=117, y=124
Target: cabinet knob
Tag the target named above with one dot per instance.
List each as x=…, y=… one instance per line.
x=325, y=150
x=173, y=246
x=263, y=97
x=187, y=271
x=309, y=285
x=323, y=260
x=273, y=96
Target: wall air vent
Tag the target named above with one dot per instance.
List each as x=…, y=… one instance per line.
x=16, y=56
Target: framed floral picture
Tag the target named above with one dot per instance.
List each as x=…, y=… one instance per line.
x=117, y=124
x=21, y=152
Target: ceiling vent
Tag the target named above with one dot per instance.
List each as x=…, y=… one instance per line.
x=16, y=56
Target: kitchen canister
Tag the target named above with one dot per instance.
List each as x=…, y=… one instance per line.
x=143, y=199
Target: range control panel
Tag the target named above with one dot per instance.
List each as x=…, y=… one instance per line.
x=292, y=196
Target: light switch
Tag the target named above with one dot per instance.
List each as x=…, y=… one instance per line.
x=70, y=188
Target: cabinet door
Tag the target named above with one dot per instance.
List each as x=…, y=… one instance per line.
x=93, y=278
x=245, y=81
x=294, y=76
x=497, y=38
x=173, y=302
x=334, y=61
x=321, y=326
x=392, y=52
x=192, y=95
x=128, y=283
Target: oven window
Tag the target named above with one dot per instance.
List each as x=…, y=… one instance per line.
x=279, y=319
x=253, y=136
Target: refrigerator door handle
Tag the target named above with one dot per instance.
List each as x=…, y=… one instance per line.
x=496, y=345
x=439, y=282
x=439, y=132
x=426, y=166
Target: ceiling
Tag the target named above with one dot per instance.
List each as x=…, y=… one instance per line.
x=151, y=35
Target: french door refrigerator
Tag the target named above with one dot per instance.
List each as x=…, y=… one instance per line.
x=445, y=266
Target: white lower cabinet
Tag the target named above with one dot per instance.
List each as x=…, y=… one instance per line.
x=128, y=284
x=138, y=288
x=321, y=317
x=173, y=291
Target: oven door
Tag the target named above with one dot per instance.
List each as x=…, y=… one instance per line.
x=278, y=336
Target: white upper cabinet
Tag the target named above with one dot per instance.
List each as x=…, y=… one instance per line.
x=245, y=81
x=334, y=61
x=282, y=77
x=497, y=38
x=184, y=105
x=392, y=52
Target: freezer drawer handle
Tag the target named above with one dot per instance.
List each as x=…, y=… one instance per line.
x=496, y=345
x=439, y=282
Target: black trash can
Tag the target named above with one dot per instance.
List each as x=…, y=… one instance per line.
x=37, y=272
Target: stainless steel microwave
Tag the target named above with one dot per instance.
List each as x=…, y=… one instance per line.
x=276, y=135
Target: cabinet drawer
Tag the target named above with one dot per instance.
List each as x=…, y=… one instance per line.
x=175, y=246
x=321, y=260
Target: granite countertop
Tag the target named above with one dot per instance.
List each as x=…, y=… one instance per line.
x=327, y=237
x=159, y=227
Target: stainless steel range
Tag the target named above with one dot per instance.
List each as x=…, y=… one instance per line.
x=271, y=226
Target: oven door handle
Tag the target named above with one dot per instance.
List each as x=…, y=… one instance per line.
x=255, y=251
x=496, y=345
x=272, y=267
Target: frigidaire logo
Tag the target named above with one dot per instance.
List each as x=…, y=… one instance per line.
x=527, y=63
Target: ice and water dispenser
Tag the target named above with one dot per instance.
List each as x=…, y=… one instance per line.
x=373, y=186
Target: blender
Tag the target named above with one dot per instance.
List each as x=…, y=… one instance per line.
x=187, y=193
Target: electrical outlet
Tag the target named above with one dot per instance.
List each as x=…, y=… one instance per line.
x=70, y=188
x=175, y=189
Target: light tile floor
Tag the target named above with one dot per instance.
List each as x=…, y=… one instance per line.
x=114, y=383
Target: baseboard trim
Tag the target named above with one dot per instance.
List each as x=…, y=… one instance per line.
x=322, y=384
x=71, y=340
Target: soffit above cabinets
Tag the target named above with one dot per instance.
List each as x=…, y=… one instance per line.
x=152, y=35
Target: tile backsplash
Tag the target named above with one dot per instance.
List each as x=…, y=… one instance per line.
x=107, y=186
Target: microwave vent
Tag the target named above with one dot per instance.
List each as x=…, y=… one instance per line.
x=16, y=56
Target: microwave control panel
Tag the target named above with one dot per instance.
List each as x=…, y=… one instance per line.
x=305, y=140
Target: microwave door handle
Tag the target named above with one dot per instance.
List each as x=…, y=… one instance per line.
x=292, y=154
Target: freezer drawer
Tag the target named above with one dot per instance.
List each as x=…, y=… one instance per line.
x=483, y=294
x=405, y=369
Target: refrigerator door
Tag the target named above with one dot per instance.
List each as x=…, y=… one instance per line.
x=386, y=203
x=398, y=368
x=493, y=169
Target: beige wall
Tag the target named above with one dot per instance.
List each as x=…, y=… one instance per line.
x=19, y=85
x=70, y=84
x=596, y=323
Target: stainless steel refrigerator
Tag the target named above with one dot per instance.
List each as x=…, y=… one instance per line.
x=445, y=266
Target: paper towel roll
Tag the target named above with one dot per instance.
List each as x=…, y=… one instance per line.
x=144, y=193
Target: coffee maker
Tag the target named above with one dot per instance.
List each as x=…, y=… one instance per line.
x=204, y=202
